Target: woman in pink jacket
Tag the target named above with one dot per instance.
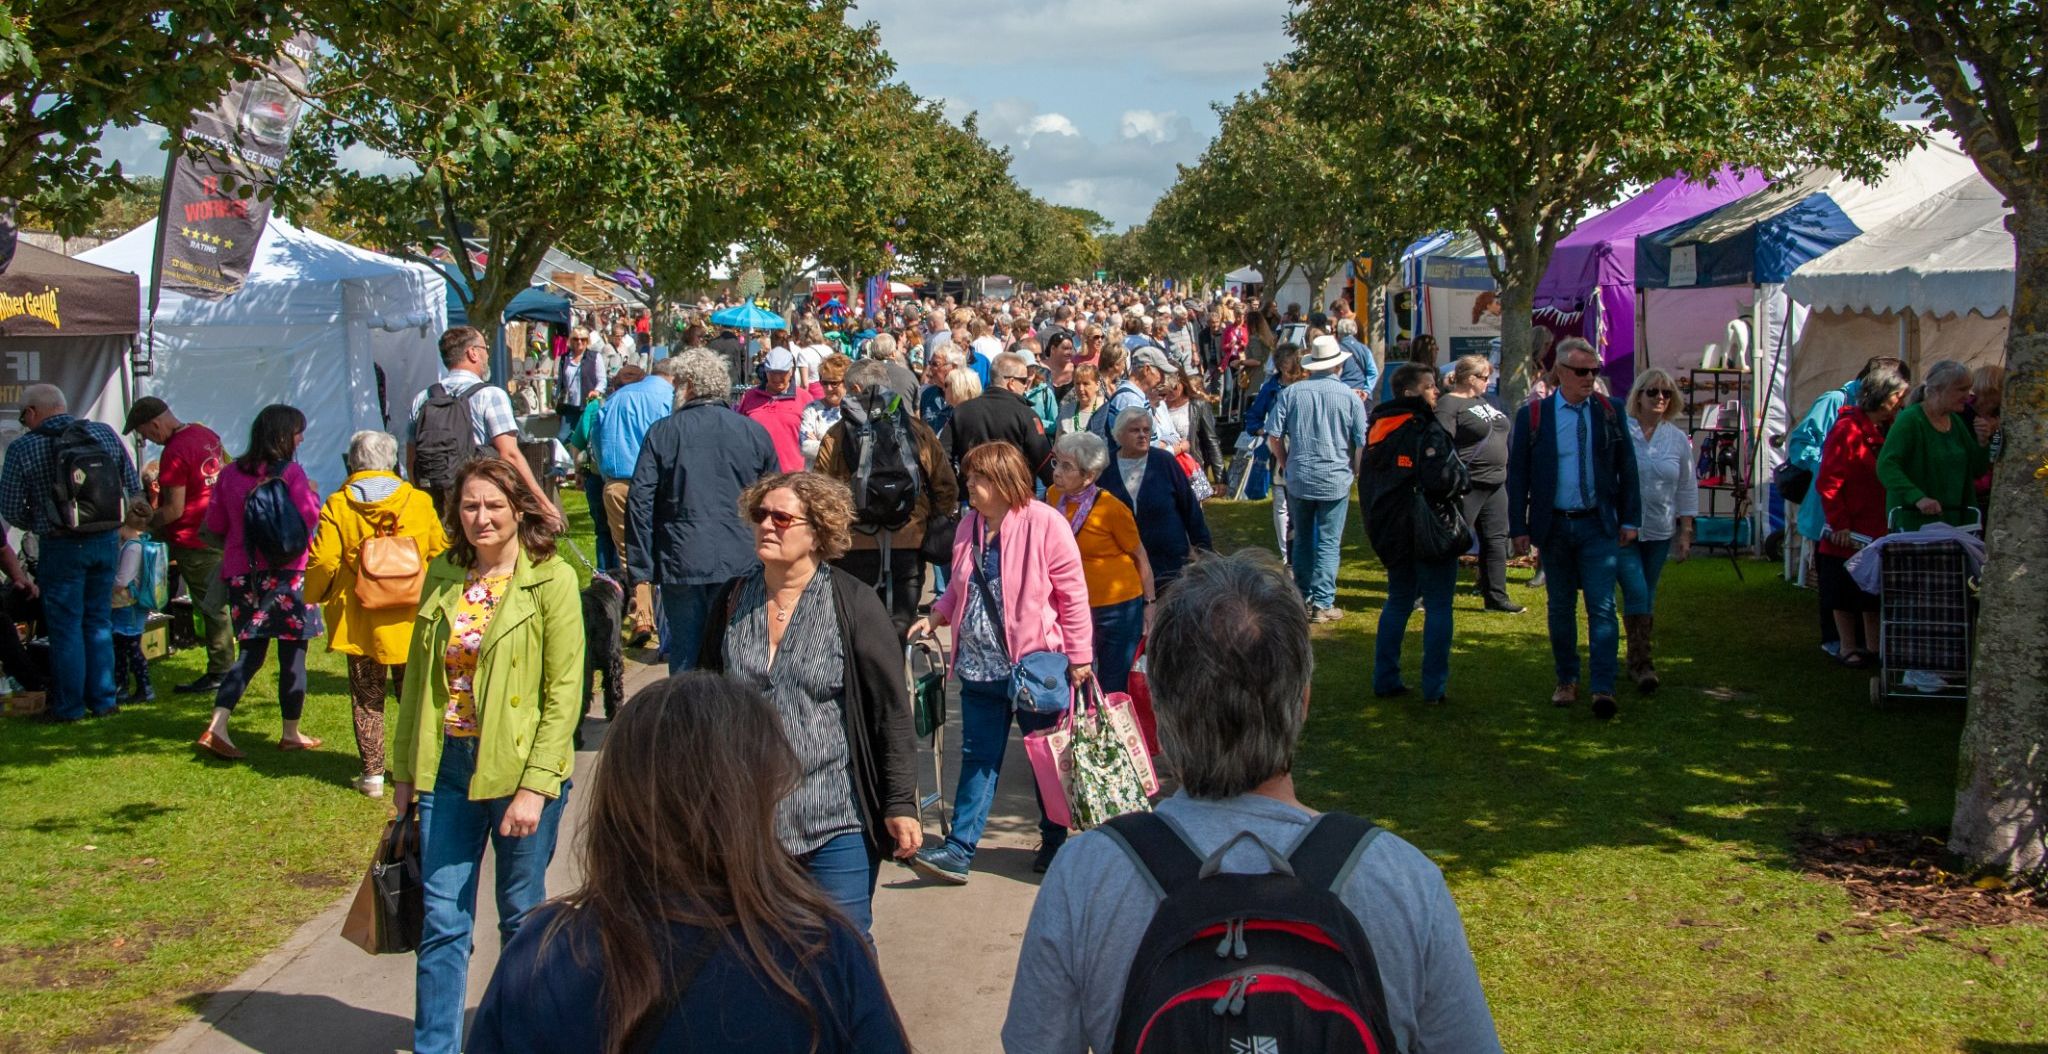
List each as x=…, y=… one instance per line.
x=1016, y=588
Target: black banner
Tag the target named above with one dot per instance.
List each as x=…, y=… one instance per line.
x=215, y=203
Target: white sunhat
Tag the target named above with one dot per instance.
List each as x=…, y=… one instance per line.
x=1324, y=353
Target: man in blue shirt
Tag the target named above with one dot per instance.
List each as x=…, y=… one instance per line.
x=1134, y=389
x=1572, y=488
x=622, y=425
x=1316, y=431
x=76, y=570
x=1359, y=372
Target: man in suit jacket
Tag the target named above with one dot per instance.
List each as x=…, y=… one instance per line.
x=1572, y=489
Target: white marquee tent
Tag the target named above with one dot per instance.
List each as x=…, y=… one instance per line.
x=309, y=328
x=1935, y=282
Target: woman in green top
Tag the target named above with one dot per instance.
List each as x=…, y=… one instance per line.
x=1931, y=459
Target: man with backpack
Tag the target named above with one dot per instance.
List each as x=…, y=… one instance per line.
x=1236, y=918
x=463, y=417
x=67, y=481
x=901, y=480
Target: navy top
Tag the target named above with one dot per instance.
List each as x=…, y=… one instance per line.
x=1170, y=521
x=552, y=1002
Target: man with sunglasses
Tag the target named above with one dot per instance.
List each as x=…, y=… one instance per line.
x=1572, y=490
x=1002, y=414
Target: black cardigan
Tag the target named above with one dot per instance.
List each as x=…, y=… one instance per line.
x=881, y=747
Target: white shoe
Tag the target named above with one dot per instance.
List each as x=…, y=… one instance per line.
x=370, y=786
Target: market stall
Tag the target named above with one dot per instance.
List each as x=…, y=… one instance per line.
x=69, y=323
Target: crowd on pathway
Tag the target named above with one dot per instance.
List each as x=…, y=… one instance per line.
x=770, y=506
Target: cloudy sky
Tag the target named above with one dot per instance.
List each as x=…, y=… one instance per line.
x=1097, y=100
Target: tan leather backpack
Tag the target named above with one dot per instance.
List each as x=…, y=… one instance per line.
x=390, y=573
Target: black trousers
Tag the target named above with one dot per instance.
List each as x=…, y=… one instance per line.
x=1486, y=509
x=906, y=575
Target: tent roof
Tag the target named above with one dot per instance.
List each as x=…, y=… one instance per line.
x=72, y=298
x=1951, y=256
x=1243, y=275
x=1763, y=237
x=285, y=256
x=1601, y=250
x=535, y=304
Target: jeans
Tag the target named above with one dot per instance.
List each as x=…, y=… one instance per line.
x=77, y=576
x=1579, y=555
x=200, y=569
x=1433, y=581
x=984, y=735
x=1486, y=509
x=1639, y=566
x=453, y=831
x=1282, y=530
x=1318, y=542
x=1118, y=628
x=291, y=676
x=607, y=554
x=846, y=871
x=686, y=608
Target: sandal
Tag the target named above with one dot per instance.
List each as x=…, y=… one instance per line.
x=1858, y=659
x=303, y=743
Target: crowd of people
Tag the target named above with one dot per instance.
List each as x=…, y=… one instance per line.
x=770, y=505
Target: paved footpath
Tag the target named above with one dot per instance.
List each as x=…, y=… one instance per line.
x=947, y=953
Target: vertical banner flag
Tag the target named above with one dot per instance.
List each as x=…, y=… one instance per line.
x=215, y=200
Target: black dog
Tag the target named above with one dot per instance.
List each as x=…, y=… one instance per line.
x=603, y=609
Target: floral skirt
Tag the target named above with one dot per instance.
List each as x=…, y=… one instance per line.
x=273, y=604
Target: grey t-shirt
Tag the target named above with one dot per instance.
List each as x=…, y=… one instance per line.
x=1092, y=912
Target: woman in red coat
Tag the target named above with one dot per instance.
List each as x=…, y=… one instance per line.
x=1853, y=502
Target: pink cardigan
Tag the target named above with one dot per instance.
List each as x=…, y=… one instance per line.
x=1045, y=596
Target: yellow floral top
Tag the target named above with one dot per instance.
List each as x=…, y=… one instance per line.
x=473, y=611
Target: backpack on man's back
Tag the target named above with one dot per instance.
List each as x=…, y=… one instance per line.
x=87, y=494
x=444, y=438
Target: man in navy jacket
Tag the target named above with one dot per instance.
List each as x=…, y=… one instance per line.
x=1572, y=490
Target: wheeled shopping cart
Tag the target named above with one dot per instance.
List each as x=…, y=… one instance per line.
x=925, y=670
x=1925, y=621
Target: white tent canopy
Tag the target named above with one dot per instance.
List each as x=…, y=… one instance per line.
x=1950, y=257
x=310, y=327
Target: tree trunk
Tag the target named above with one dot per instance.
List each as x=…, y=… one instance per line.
x=2001, y=818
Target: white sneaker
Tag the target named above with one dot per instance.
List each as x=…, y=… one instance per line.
x=1833, y=648
x=370, y=786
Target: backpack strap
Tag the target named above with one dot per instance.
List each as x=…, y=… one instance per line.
x=1160, y=853
x=1331, y=848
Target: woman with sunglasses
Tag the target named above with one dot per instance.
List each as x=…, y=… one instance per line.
x=1480, y=431
x=1671, y=500
x=820, y=646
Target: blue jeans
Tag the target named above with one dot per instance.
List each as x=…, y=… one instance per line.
x=607, y=555
x=1639, y=566
x=1433, y=581
x=1579, y=556
x=1118, y=628
x=453, y=831
x=685, y=608
x=1318, y=542
x=984, y=735
x=847, y=872
x=77, y=578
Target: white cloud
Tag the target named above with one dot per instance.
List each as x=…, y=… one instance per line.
x=1119, y=174
x=1048, y=124
x=1200, y=38
x=1153, y=127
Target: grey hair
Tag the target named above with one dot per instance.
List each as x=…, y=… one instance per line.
x=1230, y=682
x=1942, y=376
x=47, y=398
x=1880, y=382
x=670, y=368
x=1010, y=365
x=1086, y=448
x=1128, y=416
x=867, y=374
x=883, y=346
x=1572, y=344
x=700, y=372
x=372, y=451
x=1347, y=327
x=949, y=353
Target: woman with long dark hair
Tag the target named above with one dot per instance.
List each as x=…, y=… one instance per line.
x=693, y=929
x=266, y=587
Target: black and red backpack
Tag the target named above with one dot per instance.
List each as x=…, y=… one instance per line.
x=1271, y=963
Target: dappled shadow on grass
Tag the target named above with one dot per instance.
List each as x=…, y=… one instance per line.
x=1754, y=735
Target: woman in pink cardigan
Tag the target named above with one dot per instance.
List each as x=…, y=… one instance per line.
x=1016, y=588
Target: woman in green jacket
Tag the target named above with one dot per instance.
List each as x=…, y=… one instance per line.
x=1931, y=459
x=492, y=698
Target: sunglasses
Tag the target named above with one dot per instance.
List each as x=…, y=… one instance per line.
x=1579, y=371
x=783, y=521
x=1659, y=393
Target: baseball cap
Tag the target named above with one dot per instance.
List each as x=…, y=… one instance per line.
x=146, y=409
x=1152, y=357
x=780, y=360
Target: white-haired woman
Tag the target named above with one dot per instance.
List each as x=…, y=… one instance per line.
x=372, y=502
x=1671, y=500
x=1120, y=588
x=1931, y=457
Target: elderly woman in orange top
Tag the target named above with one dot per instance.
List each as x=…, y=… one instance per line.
x=1120, y=589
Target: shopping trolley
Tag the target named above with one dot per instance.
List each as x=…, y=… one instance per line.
x=1924, y=620
x=925, y=670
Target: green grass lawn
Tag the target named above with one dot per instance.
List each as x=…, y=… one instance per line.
x=1625, y=886
x=141, y=874
x=1629, y=886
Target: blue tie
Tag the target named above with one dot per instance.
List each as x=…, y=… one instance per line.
x=1585, y=459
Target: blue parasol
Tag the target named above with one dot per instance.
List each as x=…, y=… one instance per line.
x=747, y=316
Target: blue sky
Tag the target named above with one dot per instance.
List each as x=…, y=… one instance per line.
x=1097, y=100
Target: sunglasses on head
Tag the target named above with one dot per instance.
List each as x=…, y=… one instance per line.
x=783, y=521
x=1579, y=371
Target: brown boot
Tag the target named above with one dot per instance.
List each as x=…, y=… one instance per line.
x=1637, y=627
x=1647, y=680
